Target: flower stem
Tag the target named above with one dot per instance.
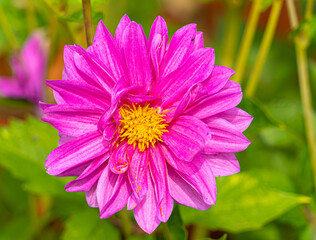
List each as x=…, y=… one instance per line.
x=247, y=40
x=86, y=7
x=232, y=32
x=126, y=223
x=7, y=30
x=30, y=15
x=301, y=57
x=309, y=9
x=264, y=48
x=166, y=231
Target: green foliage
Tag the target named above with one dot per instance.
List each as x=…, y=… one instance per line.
x=245, y=202
x=24, y=147
x=175, y=225
x=87, y=225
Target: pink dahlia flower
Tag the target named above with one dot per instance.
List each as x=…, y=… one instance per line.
x=29, y=69
x=144, y=122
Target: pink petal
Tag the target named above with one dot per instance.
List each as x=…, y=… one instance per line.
x=186, y=137
x=137, y=173
x=239, y=118
x=108, y=184
x=73, y=120
x=196, y=92
x=198, y=41
x=63, y=138
x=75, y=171
x=89, y=176
x=118, y=160
x=136, y=57
x=198, y=173
x=34, y=62
x=183, y=193
x=9, y=87
x=125, y=21
x=227, y=98
x=118, y=201
x=91, y=196
x=146, y=211
x=218, y=79
x=180, y=47
x=83, y=93
x=157, y=42
x=225, y=137
x=90, y=67
x=76, y=152
x=223, y=164
x=158, y=171
x=104, y=48
x=71, y=70
x=197, y=68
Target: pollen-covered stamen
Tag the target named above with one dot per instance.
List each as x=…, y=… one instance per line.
x=141, y=126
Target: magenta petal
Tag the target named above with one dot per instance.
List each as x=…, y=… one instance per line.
x=197, y=172
x=180, y=47
x=225, y=137
x=104, y=49
x=159, y=27
x=10, y=88
x=131, y=202
x=63, y=138
x=108, y=184
x=136, y=57
x=34, y=60
x=74, y=93
x=227, y=98
x=183, y=193
x=196, y=92
x=146, y=211
x=198, y=41
x=91, y=69
x=72, y=120
x=91, y=196
x=118, y=201
x=71, y=70
x=223, y=164
x=76, y=152
x=239, y=118
x=124, y=22
x=76, y=170
x=186, y=137
x=218, y=79
x=89, y=176
x=137, y=173
x=118, y=160
x=158, y=171
x=197, y=68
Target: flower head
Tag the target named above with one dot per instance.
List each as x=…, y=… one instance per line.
x=29, y=69
x=144, y=122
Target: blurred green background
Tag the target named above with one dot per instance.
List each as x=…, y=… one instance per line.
x=272, y=198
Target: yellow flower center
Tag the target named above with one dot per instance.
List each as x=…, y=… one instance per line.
x=141, y=126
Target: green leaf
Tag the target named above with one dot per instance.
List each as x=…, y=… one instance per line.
x=244, y=203
x=262, y=118
x=175, y=225
x=224, y=237
x=19, y=228
x=86, y=224
x=24, y=146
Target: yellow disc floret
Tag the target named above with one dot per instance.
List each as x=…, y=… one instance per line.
x=141, y=125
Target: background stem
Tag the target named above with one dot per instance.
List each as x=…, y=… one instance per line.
x=232, y=33
x=86, y=7
x=247, y=40
x=264, y=48
x=301, y=57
